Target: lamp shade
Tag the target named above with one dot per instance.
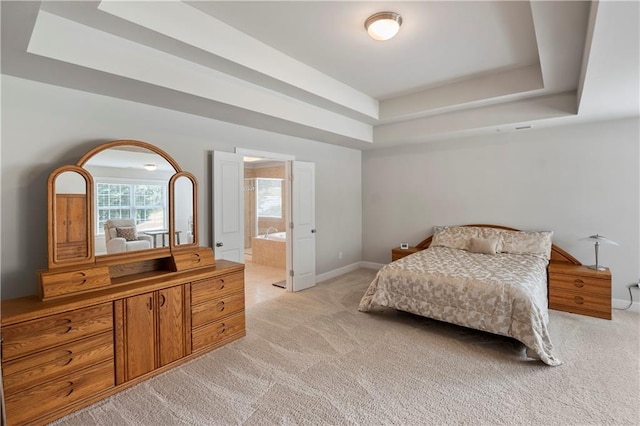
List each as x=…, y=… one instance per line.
x=598, y=239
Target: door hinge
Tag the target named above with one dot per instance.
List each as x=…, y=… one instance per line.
x=291, y=273
x=290, y=225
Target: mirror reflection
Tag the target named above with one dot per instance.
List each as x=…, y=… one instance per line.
x=131, y=210
x=71, y=226
x=183, y=209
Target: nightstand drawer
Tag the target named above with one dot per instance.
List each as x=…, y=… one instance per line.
x=582, y=284
x=580, y=303
x=398, y=253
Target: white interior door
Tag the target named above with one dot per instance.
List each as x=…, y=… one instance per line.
x=228, y=206
x=303, y=214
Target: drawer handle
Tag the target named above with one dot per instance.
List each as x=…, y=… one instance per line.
x=63, y=322
x=578, y=283
x=62, y=364
x=220, y=307
x=222, y=329
x=68, y=329
x=78, y=278
x=221, y=284
x=70, y=391
x=579, y=300
x=196, y=258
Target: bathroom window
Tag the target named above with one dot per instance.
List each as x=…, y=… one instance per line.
x=269, y=197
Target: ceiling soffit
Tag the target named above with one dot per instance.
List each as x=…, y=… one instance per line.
x=176, y=46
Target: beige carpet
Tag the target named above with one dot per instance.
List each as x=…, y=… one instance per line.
x=311, y=358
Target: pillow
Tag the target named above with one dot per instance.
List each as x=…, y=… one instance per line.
x=536, y=243
x=128, y=233
x=456, y=237
x=483, y=245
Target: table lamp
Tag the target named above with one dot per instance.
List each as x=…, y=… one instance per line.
x=598, y=239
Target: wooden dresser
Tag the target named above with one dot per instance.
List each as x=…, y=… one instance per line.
x=579, y=289
x=64, y=354
x=109, y=316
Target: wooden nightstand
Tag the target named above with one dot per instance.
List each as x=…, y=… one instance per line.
x=398, y=253
x=578, y=289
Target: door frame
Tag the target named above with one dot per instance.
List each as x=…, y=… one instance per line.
x=288, y=161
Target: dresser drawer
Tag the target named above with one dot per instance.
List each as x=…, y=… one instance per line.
x=214, y=309
x=581, y=303
x=41, y=400
x=26, y=372
x=57, y=284
x=194, y=259
x=31, y=336
x=216, y=332
x=579, y=283
x=213, y=288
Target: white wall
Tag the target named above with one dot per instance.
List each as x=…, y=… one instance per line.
x=44, y=127
x=575, y=180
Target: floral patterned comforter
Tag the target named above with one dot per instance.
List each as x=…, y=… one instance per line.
x=504, y=294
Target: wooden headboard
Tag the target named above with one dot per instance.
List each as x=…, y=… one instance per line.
x=557, y=254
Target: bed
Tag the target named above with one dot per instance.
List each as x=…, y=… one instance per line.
x=486, y=277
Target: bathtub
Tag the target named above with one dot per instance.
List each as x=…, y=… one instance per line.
x=270, y=251
x=274, y=236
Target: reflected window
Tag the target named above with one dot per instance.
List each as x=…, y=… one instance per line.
x=146, y=202
x=269, y=197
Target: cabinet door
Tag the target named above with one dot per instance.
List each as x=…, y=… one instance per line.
x=139, y=334
x=77, y=218
x=171, y=327
x=61, y=219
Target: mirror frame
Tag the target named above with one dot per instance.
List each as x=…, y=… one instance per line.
x=53, y=260
x=152, y=253
x=172, y=208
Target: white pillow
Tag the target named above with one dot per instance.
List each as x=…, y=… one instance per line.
x=483, y=245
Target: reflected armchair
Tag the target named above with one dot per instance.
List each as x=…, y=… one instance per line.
x=120, y=236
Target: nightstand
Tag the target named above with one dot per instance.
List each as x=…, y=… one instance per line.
x=578, y=289
x=398, y=253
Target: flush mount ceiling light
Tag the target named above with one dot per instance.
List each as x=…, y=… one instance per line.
x=150, y=166
x=383, y=25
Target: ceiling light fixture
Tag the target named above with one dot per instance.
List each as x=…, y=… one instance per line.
x=150, y=166
x=383, y=25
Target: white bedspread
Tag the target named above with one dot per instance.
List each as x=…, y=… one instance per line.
x=504, y=294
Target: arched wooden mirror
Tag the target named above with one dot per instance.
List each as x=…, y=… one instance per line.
x=184, y=208
x=128, y=187
x=71, y=240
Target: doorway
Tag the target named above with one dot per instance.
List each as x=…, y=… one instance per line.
x=299, y=213
x=265, y=242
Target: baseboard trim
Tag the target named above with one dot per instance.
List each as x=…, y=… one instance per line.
x=337, y=272
x=621, y=304
x=371, y=265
